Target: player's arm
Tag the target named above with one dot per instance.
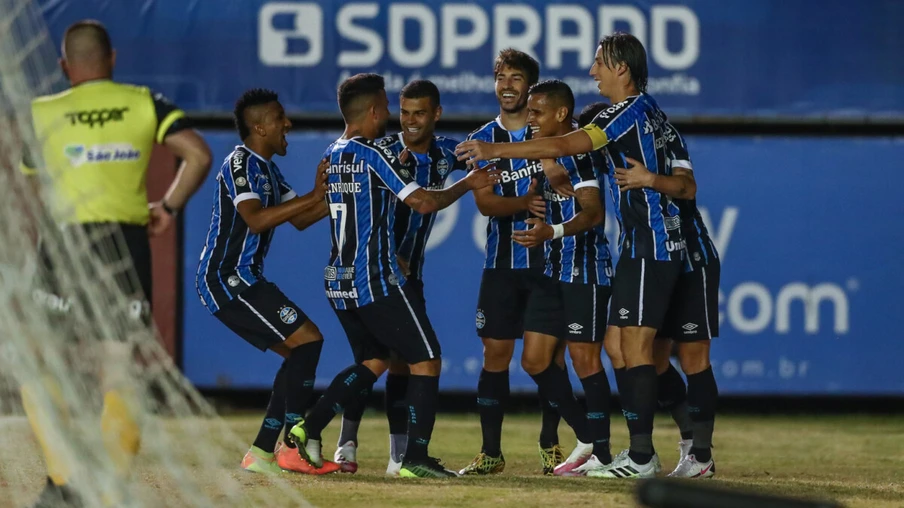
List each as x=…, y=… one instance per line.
x=573, y=143
x=425, y=201
x=491, y=204
x=260, y=218
x=680, y=185
x=319, y=210
x=591, y=215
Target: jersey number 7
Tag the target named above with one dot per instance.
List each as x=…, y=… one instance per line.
x=338, y=211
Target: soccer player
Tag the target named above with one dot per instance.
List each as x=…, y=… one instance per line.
x=691, y=321
x=378, y=309
x=96, y=142
x=511, y=271
x=652, y=247
x=250, y=200
x=571, y=302
x=432, y=161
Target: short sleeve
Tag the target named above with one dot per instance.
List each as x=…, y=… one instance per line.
x=677, y=148
x=585, y=174
x=285, y=190
x=384, y=163
x=170, y=119
x=235, y=174
x=611, y=123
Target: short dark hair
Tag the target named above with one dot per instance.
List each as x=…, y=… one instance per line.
x=87, y=30
x=420, y=88
x=355, y=90
x=557, y=90
x=622, y=47
x=520, y=60
x=251, y=98
x=589, y=112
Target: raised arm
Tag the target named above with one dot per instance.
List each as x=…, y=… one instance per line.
x=572, y=143
x=425, y=201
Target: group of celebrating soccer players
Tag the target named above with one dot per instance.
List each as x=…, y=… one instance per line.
x=536, y=172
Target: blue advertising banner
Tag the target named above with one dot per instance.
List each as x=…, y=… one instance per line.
x=811, y=275
x=708, y=58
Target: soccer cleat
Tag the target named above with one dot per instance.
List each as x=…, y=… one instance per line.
x=624, y=467
x=691, y=468
x=425, y=468
x=346, y=456
x=393, y=468
x=684, y=448
x=57, y=496
x=657, y=464
x=580, y=454
x=591, y=464
x=550, y=458
x=291, y=460
x=259, y=461
x=309, y=449
x=483, y=464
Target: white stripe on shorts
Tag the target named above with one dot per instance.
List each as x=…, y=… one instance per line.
x=418, y=323
x=258, y=314
x=709, y=333
x=593, y=337
x=643, y=272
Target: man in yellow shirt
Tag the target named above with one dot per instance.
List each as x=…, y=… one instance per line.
x=95, y=141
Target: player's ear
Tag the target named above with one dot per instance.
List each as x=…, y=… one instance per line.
x=438, y=113
x=561, y=114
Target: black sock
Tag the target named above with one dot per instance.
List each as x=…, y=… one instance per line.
x=301, y=368
x=642, y=382
x=552, y=385
x=396, y=407
x=351, y=418
x=274, y=419
x=621, y=384
x=702, y=394
x=492, y=395
x=597, y=392
x=347, y=385
x=673, y=398
x=549, y=423
x=422, y=394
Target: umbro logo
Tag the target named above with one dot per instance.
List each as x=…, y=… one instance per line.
x=623, y=312
x=575, y=328
x=689, y=328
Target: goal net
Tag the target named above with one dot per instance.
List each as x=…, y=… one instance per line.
x=188, y=456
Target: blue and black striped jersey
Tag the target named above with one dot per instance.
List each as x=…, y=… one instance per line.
x=233, y=256
x=431, y=169
x=651, y=226
x=700, y=247
x=501, y=250
x=364, y=180
x=583, y=258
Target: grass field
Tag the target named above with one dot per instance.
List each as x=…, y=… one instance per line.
x=858, y=460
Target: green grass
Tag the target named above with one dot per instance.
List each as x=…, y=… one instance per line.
x=858, y=460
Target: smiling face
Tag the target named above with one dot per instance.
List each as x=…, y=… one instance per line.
x=543, y=116
x=606, y=77
x=418, y=118
x=273, y=127
x=511, y=89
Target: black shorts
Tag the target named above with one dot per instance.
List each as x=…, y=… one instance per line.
x=262, y=315
x=693, y=312
x=569, y=311
x=642, y=291
x=395, y=323
x=504, y=293
x=119, y=251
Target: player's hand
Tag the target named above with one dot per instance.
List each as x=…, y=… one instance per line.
x=558, y=178
x=539, y=233
x=474, y=151
x=403, y=265
x=320, y=179
x=160, y=220
x=635, y=177
x=536, y=205
x=483, y=177
x=403, y=156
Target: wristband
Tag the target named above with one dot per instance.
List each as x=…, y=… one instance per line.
x=558, y=231
x=172, y=211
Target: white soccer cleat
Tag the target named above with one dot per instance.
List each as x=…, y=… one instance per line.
x=581, y=454
x=592, y=464
x=684, y=448
x=691, y=468
x=623, y=467
x=313, y=449
x=393, y=468
x=622, y=455
x=346, y=456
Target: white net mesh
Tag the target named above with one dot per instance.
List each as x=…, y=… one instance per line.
x=189, y=456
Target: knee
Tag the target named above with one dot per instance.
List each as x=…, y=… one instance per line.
x=694, y=361
x=497, y=355
x=614, y=352
x=376, y=365
x=662, y=350
x=428, y=368
x=535, y=364
x=586, y=363
x=398, y=367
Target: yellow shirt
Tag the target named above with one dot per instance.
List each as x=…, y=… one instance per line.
x=96, y=140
